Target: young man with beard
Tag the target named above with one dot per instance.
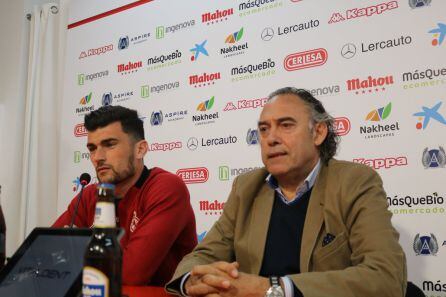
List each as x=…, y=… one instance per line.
x=150, y=199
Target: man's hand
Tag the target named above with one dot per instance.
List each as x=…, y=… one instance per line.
x=211, y=278
x=247, y=285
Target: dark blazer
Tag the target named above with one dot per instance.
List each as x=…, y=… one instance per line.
x=348, y=201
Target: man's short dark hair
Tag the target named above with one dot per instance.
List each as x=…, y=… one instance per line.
x=328, y=147
x=105, y=115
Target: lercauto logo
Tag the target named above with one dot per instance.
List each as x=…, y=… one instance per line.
x=434, y=158
x=206, y=105
x=382, y=163
x=204, y=79
x=425, y=245
x=439, y=34
x=252, y=137
x=307, y=59
x=362, y=12
x=79, y=130
x=427, y=114
x=234, y=49
x=370, y=84
x=85, y=100
x=342, y=126
x=130, y=67
x=193, y=175
x=217, y=16
x=199, y=49
x=156, y=118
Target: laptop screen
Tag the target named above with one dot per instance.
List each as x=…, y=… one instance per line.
x=49, y=263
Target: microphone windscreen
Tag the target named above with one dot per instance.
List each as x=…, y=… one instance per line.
x=85, y=179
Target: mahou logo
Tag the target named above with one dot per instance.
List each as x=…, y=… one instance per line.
x=342, y=126
x=216, y=16
x=130, y=67
x=307, y=59
x=370, y=84
x=382, y=163
x=79, y=130
x=211, y=207
x=204, y=79
x=362, y=12
x=193, y=175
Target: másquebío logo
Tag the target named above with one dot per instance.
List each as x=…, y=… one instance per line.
x=166, y=146
x=251, y=71
x=205, y=79
x=247, y=8
x=370, y=84
x=306, y=59
x=382, y=163
x=424, y=78
x=436, y=288
x=217, y=16
x=164, y=60
x=368, y=11
x=193, y=175
x=430, y=204
x=342, y=126
x=373, y=129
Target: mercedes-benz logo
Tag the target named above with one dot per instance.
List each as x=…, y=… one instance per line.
x=267, y=34
x=192, y=143
x=348, y=50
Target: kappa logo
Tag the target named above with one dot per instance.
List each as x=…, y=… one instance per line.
x=425, y=245
x=434, y=158
x=307, y=59
x=193, y=175
x=342, y=126
x=385, y=163
x=362, y=12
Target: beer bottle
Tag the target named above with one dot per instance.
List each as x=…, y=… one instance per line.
x=2, y=237
x=101, y=275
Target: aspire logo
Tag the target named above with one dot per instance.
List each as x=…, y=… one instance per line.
x=156, y=118
x=425, y=245
x=363, y=12
x=438, y=33
x=434, y=158
x=252, y=137
x=370, y=84
x=234, y=50
x=193, y=175
x=306, y=59
x=199, y=48
x=217, y=16
x=342, y=126
x=382, y=163
x=427, y=114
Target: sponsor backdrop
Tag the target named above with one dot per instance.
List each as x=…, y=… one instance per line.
x=198, y=73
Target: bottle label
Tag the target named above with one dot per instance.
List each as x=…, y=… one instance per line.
x=94, y=283
x=104, y=215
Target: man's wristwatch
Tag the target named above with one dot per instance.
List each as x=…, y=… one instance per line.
x=275, y=290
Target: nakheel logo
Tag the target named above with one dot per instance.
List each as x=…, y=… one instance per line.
x=245, y=104
x=84, y=102
x=217, y=16
x=362, y=12
x=203, y=80
x=434, y=158
x=211, y=208
x=96, y=51
x=80, y=131
x=383, y=163
x=250, y=7
x=427, y=114
x=197, y=50
x=429, y=204
x=193, y=175
x=307, y=59
x=372, y=131
x=130, y=67
x=342, y=126
x=439, y=34
x=156, y=118
x=205, y=118
x=236, y=48
x=425, y=245
x=252, y=137
x=370, y=84
x=253, y=71
x=166, y=146
x=163, y=61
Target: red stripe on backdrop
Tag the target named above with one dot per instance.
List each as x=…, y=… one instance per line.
x=107, y=13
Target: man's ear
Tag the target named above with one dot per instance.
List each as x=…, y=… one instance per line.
x=141, y=148
x=320, y=132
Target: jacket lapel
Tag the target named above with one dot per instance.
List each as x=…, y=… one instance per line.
x=259, y=224
x=313, y=220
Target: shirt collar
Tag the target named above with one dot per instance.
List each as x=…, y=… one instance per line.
x=305, y=187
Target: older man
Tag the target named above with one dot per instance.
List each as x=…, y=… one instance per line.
x=305, y=225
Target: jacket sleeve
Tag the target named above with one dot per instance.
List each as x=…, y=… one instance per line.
x=164, y=218
x=378, y=264
x=81, y=220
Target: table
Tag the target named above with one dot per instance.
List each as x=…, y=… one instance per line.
x=132, y=291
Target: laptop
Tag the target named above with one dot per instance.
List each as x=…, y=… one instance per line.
x=48, y=263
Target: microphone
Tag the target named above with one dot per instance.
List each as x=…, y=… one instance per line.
x=84, y=180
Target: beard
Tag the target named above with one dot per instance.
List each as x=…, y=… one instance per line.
x=117, y=177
